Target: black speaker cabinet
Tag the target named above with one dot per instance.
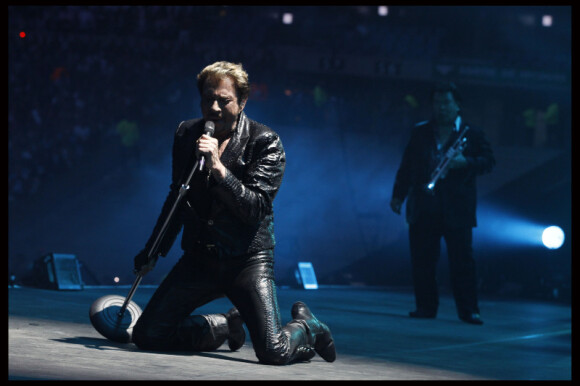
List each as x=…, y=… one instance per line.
x=58, y=271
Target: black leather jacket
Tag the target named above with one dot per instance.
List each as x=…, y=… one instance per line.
x=235, y=216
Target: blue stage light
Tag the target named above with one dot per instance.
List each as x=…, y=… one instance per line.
x=502, y=227
x=553, y=237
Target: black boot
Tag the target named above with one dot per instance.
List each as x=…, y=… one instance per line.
x=236, y=334
x=303, y=351
x=318, y=332
x=304, y=354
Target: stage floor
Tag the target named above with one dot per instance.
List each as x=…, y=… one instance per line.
x=50, y=337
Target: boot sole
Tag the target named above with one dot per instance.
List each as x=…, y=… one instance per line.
x=328, y=353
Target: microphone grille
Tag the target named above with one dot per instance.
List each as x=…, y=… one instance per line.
x=209, y=128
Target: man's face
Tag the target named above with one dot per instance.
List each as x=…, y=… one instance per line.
x=445, y=108
x=219, y=103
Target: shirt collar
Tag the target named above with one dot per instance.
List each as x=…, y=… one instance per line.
x=457, y=123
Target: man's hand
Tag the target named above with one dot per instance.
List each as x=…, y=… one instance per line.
x=396, y=205
x=143, y=264
x=457, y=162
x=209, y=148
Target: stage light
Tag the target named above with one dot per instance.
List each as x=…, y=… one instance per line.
x=547, y=20
x=305, y=275
x=287, y=18
x=499, y=226
x=383, y=10
x=553, y=237
x=116, y=279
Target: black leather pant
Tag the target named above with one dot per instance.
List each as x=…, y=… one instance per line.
x=166, y=323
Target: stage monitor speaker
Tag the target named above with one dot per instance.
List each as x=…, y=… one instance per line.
x=58, y=271
x=306, y=276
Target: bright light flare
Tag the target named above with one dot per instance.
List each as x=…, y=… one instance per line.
x=547, y=20
x=553, y=237
x=287, y=18
x=383, y=10
x=498, y=226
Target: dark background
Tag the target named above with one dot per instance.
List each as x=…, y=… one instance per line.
x=96, y=92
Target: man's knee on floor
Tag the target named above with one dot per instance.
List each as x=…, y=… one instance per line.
x=145, y=339
x=139, y=337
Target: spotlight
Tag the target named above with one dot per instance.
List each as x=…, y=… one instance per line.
x=553, y=237
x=287, y=18
x=305, y=275
x=500, y=226
x=547, y=20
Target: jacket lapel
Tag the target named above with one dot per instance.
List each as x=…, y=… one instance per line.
x=237, y=143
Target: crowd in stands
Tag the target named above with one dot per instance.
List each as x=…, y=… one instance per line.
x=85, y=77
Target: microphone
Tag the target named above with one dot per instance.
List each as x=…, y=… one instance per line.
x=209, y=129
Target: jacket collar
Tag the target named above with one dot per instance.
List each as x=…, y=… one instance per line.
x=238, y=141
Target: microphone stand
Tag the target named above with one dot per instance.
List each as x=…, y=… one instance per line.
x=152, y=253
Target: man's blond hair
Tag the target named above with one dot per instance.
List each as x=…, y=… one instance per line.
x=219, y=70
